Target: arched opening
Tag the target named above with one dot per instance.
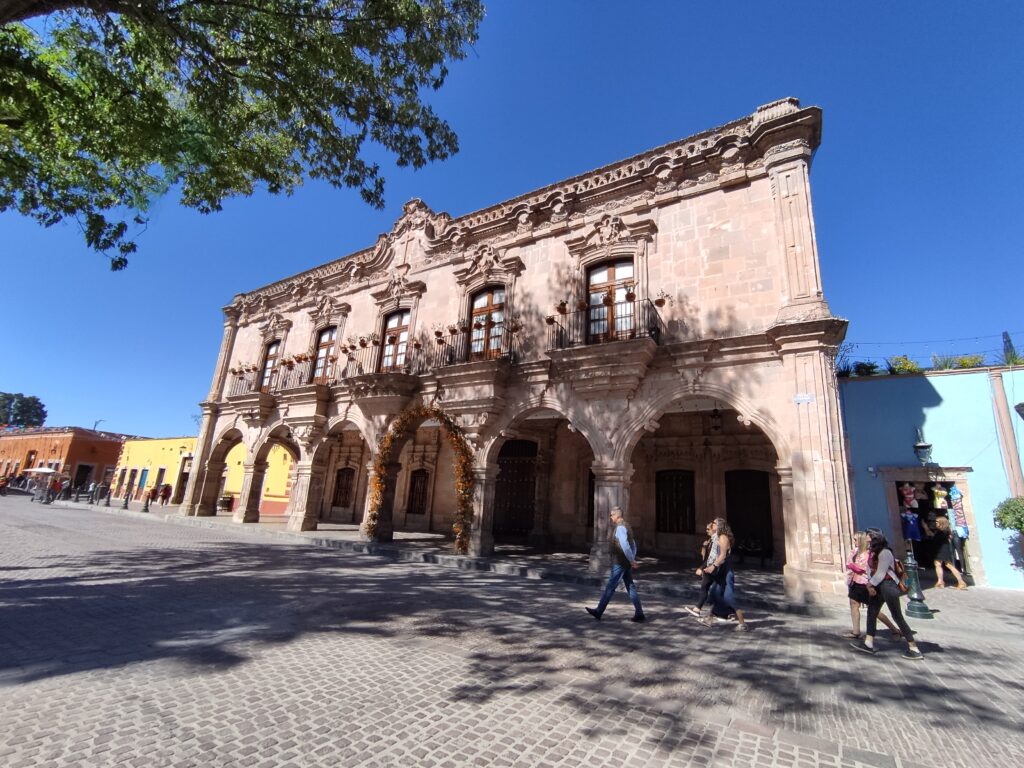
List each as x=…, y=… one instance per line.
x=611, y=315
x=702, y=462
x=395, y=341
x=268, y=371
x=515, y=489
x=343, y=458
x=487, y=321
x=323, y=362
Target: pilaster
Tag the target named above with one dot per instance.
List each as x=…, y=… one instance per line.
x=611, y=489
x=481, y=537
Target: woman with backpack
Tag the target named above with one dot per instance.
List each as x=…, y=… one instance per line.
x=858, y=567
x=883, y=587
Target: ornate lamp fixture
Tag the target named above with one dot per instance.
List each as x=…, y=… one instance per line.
x=716, y=420
x=922, y=450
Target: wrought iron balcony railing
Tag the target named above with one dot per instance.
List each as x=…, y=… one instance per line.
x=603, y=323
x=490, y=341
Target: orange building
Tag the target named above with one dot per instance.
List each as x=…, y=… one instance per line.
x=85, y=455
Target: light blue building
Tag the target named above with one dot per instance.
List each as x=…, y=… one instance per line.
x=969, y=419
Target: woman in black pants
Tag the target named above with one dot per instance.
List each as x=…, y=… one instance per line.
x=884, y=590
x=705, y=578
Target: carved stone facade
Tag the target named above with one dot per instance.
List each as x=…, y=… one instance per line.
x=651, y=335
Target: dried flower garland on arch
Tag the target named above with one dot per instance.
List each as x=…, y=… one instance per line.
x=401, y=427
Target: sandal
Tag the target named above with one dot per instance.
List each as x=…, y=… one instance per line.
x=961, y=586
x=693, y=611
x=706, y=622
x=940, y=585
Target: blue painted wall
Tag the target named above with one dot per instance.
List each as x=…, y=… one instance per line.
x=955, y=411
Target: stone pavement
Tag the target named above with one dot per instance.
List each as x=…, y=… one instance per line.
x=127, y=641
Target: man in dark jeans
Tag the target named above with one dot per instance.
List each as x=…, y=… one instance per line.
x=623, y=551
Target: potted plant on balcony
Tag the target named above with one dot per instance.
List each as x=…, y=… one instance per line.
x=392, y=339
x=550, y=319
x=375, y=339
x=363, y=341
x=478, y=323
x=514, y=324
x=661, y=299
x=562, y=307
x=453, y=328
x=630, y=292
x=582, y=304
x=288, y=362
x=609, y=297
x=438, y=330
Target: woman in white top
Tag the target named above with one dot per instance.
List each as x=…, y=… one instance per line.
x=883, y=589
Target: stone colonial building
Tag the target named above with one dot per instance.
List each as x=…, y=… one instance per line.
x=651, y=335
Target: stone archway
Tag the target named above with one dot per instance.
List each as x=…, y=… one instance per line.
x=209, y=476
x=382, y=477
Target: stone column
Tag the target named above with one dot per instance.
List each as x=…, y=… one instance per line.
x=1007, y=439
x=190, y=504
x=611, y=489
x=307, y=493
x=227, y=345
x=207, y=489
x=481, y=537
x=252, y=491
x=385, y=515
x=788, y=166
x=542, y=483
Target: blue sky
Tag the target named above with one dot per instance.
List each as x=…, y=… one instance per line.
x=916, y=187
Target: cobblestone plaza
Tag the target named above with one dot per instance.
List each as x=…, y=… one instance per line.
x=128, y=641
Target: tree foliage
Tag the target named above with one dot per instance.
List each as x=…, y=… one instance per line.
x=1009, y=514
x=17, y=410
x=105, y=104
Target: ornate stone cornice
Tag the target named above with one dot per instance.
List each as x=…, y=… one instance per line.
x=727, y=155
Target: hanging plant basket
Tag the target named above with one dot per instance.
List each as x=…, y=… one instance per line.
x=608, y=300
x=562, y=307
x=659, y=302
x=550, y=319
x=440, y=340
x=439, y=334
x=362, y=342
x=478, y=325
x=581, y=304
x=392, y=339
x=630, y=296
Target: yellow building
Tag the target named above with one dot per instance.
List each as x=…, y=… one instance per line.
x=147, y=463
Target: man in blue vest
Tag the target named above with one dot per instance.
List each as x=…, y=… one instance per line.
x=622, y=547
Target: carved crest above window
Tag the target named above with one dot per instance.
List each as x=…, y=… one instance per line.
x=612, y=235
x=274, y=327
x=398, y=288
x=327, y=309
x=486, y=264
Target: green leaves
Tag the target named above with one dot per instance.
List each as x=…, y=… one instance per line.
x=110, y=110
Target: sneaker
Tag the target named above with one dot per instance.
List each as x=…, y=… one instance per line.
x=639, y=618
x=693, y=610
x=708, y=621
x=593, y=612
x=742, y=628
x=911, y=655
x=863, y=648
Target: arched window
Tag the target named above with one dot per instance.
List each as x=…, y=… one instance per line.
x=324, y=367
x=610, y=315
x=418, y=492
x=270, y=356
x=396, y=340
x=488, y=321
x=344, y=481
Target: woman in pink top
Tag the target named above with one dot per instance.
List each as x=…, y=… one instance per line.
x=857, y=579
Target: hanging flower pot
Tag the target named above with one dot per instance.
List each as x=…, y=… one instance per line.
x=416, y=345
x=362, y=342
x=392, y=339
x=608, y=299
x=440, y=340
x=453, y=329
x=562, y=307
x=438, y=333
x=659, y=302
x=550, y=319
x=581, y=304
x=630, y=293
x=478, y=325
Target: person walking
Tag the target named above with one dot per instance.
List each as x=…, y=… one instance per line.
x=858, y=564
x=622, y=546
x=705, y=578
x=165, y=494
x=944, y=554
x=723, y=580
x=884, y=590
